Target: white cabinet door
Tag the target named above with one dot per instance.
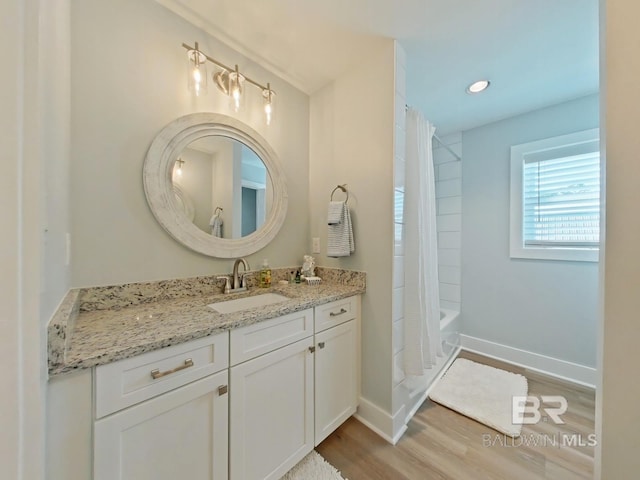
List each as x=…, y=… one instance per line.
x=271, y=412
x=180, y=434
x=336, y=378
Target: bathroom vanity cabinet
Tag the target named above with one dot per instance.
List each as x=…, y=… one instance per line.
x=244, y=404
x=285, y=402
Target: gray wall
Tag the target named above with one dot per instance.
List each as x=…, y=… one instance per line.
x=129, y=80
x=545, y=307
x=352, y=143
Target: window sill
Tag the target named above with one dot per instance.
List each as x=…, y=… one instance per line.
x=556, y=253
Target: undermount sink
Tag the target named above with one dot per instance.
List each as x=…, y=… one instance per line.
x=244, y=303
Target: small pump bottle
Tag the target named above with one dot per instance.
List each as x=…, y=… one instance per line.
x=265, y=274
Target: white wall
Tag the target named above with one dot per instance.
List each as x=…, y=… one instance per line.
x=618, y=415
x=55, y=97
x=545, y=307
x=33, y=210
x=448, y=173
x=352, y=125
x=11, y=130
x=128, y=78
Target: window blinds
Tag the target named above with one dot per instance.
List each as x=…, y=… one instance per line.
x=561, y=201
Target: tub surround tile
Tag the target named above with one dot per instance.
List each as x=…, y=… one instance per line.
x=450, y=305
x=450, y=240
x=99, y=325
x=449, y=205
x=449, y=188
x=450, y=170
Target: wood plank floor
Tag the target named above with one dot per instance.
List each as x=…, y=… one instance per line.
x=442, y=444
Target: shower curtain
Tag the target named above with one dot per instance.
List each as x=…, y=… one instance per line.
x=421, y=292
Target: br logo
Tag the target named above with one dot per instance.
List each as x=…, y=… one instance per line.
x=525, y=410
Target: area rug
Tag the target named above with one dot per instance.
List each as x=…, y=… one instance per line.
x=482, y=393
x=313, y=467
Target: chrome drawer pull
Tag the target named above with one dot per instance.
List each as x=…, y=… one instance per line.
x=321, y=344
x=333, y=314
x=156, y=373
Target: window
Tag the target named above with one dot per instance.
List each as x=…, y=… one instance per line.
x=555, y=198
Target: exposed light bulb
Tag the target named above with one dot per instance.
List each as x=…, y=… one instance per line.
x=267, y=93
x=177, y=170
x=197, y=80
x=235, y=88
x=267, y=111
x=197, y=71
x=236, y=98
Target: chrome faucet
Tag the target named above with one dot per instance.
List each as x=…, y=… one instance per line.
x=238, y=281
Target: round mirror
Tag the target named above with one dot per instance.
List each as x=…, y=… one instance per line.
x=215, y=185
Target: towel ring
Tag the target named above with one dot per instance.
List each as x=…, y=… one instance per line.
x=341, y=187
x=218, y=211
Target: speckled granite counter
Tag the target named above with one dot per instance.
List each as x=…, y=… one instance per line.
x=100, y=325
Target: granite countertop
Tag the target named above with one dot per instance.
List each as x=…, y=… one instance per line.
x=99, y=336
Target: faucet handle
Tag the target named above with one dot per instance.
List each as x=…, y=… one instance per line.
x=227, y=284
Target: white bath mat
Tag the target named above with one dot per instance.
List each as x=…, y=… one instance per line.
x=313, y=467
x=482, y=393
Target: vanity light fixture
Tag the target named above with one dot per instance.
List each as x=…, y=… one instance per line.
x=479, y=86
x=228, y=80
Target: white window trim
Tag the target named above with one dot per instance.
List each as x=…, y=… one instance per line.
x=516, y=243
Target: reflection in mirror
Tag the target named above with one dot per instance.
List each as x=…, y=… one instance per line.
x=227, y=183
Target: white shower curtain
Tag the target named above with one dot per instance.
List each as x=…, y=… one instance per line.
x=421, y=292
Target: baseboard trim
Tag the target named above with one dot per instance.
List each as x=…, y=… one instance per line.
x=377, y=420
x=554, y=367
x=399, y=425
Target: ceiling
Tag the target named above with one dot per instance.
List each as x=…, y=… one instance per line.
x=535, y=52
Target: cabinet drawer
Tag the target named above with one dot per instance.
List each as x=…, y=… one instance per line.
x=130, y=381
x=335, y=313
x=263, y=337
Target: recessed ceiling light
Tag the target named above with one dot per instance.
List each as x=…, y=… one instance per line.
x=479, y=86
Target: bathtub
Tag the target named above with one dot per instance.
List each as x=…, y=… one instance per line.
x=449, y=329
x=447, y=317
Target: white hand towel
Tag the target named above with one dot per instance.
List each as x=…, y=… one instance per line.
x=340, y=241
x=335, y=213
x=216, y=226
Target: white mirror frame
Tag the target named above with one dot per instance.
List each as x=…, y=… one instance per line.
x=158, y=184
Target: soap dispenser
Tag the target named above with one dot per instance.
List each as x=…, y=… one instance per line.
x=265, y=274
